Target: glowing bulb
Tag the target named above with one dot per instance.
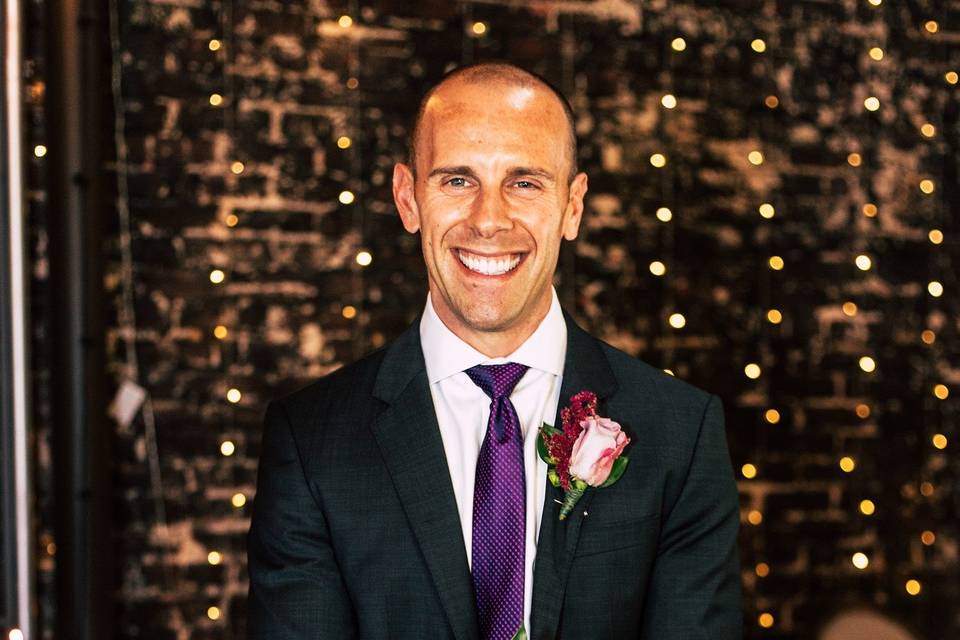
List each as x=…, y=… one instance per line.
x=677, y=321
x=863, y=411
x=855, y=159
x=912, y=586
x=214, y=557
x=767, y=211
x=39, y=151
x=349, y=312
x=345, y=21
x=669, y=372
x=479, y=28
x=951, y=77
x=771, y=101
x=928, y=538
x=657, y=268
x=238, y=500
x=876, y=53
x=868, y=364
x=849, y=309
x=754, y=517
x=927, y=186
x=928, y=130
x=669, y=101
x=928, y=336
x=227, y=448
x=772, y=416
x=364, y=258
x=762, y=570
x=752, y=370
x=934, y=288
x=214, y=45
x=931, y=26
x=765, y=620
x=748, y=471
x=774, y=316
x=213, y=613
x=664, y=214
x=758, y=45
x=872, y=103
x=217, y=276
x=232, y=220
x=875, y=3
x=220, y=332
x=755, y=158
x=352, y=83
x=216, y=99
x=234, y=395
x=935, y=236
x=847, y=464
x=870, y=210
x=926, y=489
x=658, y=160
x=344, y=142
x=236, y=167
x=860, y=560
x=939, y=441
x=776, y=263
x=346, y=197
x=863, y=262
x=867, y=507
x=15, y=634
x=678, y=44
x=941, y=391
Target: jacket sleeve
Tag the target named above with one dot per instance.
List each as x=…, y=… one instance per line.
x=296, y=590
x=694, y=593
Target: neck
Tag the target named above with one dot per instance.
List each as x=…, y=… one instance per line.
x=496, y=343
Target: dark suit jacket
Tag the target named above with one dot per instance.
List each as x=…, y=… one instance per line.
x=355, y=531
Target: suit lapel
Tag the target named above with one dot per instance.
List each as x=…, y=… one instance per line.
x=585, y=368
x=409, y=439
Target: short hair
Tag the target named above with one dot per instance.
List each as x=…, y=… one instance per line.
x=496, y=72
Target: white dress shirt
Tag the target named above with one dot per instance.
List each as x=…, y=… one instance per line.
x=463, y=410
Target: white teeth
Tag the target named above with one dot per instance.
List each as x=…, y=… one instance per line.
x=488, y=266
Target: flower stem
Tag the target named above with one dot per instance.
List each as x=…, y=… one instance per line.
x=569, y=500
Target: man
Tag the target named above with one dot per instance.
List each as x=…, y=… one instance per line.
x=402, y=495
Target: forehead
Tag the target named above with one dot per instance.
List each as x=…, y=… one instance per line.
x=494, y=114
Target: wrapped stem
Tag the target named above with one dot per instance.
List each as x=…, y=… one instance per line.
x=570, y=499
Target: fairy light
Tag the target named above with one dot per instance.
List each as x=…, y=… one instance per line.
x=658, y=160
x=765, y=620
x=928, y=336
x=755, y=157
x=951, y=77
x=766, y=210
x=863, y=262
x=664, y=214
x=752, y=370
x=220, y=332
x=934, y=288
x=345, y=22
x=875, y=3
x=939, y=441
x=758, y=45
x=238, y=500
x=657, y=268
x=762, y=569
x=772, y=102
x=867, y=507
x=39, y=150
x=854, y=159
x=774, y=316
x=928, y=538
x=234, y=395
x=217, y=276
x=849, y=309
x=749, y=471
x=669, y=372
x=926, y=489
x=479, y=28
x=214, y=45
x=227, y=448
x=870, y=210
x=214, y=557
x=772, y=416
x=15, y=634
x=912, y=587
x=755, y=517
x=935, y=236
x=868, y=364
x=213, y=613
x=927, y=186
x=776, y=263
x=847, y=464
x=232, y=220
x=863, y=411
x=941, y=391
x=344, y=142
x=928, y=130
x=876, y=53
x=677, y=321
x=236, y=167
x=931, y=26
x=860, y=560
x=678, y=44
x=872, y=103
x=364, y=258
x=346, y=197
x=216, y=99
x=349, y=312
x=352, y=83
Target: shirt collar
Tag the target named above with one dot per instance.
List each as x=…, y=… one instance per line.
x=446, y=354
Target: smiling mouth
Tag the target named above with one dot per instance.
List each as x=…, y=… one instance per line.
x=489, y=265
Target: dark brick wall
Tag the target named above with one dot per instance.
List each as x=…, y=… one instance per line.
x=296, y=304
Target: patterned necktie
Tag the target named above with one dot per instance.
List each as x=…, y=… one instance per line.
x=499, y=507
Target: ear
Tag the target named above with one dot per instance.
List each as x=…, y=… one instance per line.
x=574, y=211
x=404, y=197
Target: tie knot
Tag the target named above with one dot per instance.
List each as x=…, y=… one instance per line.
x=497, y=380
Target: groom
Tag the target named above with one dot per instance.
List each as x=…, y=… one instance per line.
x=402, y=496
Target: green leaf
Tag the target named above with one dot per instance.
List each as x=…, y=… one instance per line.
x=521, y=634
x=619, y=466
x=542, y=446
x=553, y=477
x=549, y=429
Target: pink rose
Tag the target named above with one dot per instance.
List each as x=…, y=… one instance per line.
x=599, y=444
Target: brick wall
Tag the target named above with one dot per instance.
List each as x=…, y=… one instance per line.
x=294, y=82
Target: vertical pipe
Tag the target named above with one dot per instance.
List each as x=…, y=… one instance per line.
x=76, y=108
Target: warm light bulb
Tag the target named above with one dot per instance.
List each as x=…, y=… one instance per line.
x=227, y=448
x=755, y=157
x=776, y=263
x=941, y=391
x=657, y=268
x=669, y=372
x=234, y=395
x=39, y=151
x=220, y=332
x=236, y=167
x=758, y=45
x=765, y=620
x=678, y=44
x=855, y=159
x=912, y=587
x=749, y=471
x=352, y=83
x=762, y=569
x=935, y=236
x=876, y=53
x=870, y=210
x=849, y=309
x=15, y=634
x=346, y=197
x=755, y=517
x=364, y=258
x=479, y=28
x=214, y=557
x=939, y=441
x=927, y=186
x=349, y=312
x=344, y=142
x=213, y=613
x=868, y=364
x=238, y=500
x=216, y=99
x=875, y=3
x=658, y=160
x=345, y=21
x=872, y=103
x=217, y=276
x=752, y=370
x=860, y=560
x=669, y=101
x=774, y=316
x=926, y=489
x=771, y=101
x=664, y=214
x=951, y=77
x=772, y=416
x=863, y=262
x=214, y=45
x=867, y=507
x=934, y=288
x=931, y=26
x=767, y=211
x=677, y=321
x=928, y=130
x=863, y=411
x=928, y=538
x=847, y=464
x=232, y=220
x=928, y=336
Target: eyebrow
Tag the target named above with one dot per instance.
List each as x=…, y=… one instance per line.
x=513, y=172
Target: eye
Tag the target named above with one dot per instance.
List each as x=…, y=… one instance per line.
x=457, y=182
x=526, y=184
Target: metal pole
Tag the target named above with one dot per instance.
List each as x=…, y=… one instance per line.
x=77, y=115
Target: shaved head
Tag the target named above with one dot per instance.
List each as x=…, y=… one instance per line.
x=502, y=75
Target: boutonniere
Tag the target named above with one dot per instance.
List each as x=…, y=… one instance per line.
x=586, y=452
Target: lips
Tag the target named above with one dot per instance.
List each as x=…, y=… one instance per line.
x=495, y=265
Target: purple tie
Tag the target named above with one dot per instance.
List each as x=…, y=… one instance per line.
x=499, y=507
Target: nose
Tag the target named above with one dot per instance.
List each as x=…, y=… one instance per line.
x=490, y=213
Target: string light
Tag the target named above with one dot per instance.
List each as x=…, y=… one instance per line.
x=868, y=364
x=479, y=28
x=364, y=258
x=214, y=45
x=849, y=309
x=941, y=391
x=220, y=332
x=236, y=167
x=870, y=210
x=935, y=236
x=872, y=103
x=749, y=471
x=847, y=464
x=863, y=262
x=232, y=220
x=931, y=26
x=928, y=129
x=214, y=557
x=657, y=268
x=875, y=3
x=927, y=186
x=876, y=53
x=227, y=448
x=346, y=197
x=912, y=586
x=754, y=517
x=860, y=560
x=758, y=45
x=774, y=316
x=345, y=21
x=678, y=44
x=349, y=312
x=767, y=211
x=217, y=276
x=664, y=214
x=863, y=411
x=934, y=288
x=771, y=101
x=755, y=157
x=213, y=613
x=762, y=570
x=867, y=507
x=926, y=489
x=928, y=538
x=15, y=634
x=216, y=99
x=928, y=336
x=352, y=83
x=39, y=151
x=669, y=101
x=658, y=160
x=765, y=620
x=238, y=500
x=234, y=395
x=854, y=159
x=344, y=142
x=772, y=416
x=939, y=441
x=677, y=321
x=776, y=263
x=752, y=370
x=951, y=77
x=669, y=372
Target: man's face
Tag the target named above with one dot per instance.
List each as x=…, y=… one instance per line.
x=492, y=202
